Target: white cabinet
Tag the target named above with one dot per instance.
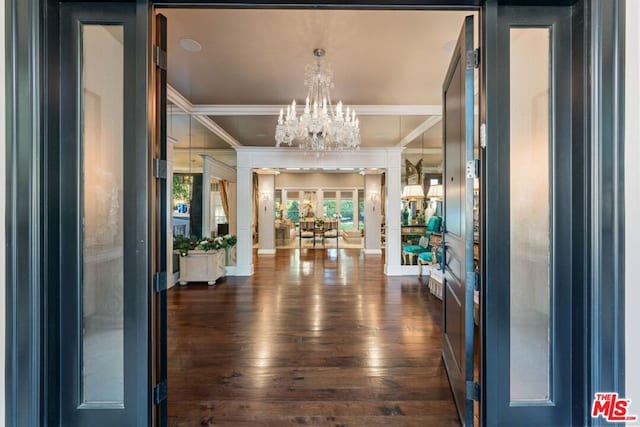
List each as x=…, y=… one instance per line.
x=202, y=266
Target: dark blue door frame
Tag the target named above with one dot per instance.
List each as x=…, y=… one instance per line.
x=32, y=277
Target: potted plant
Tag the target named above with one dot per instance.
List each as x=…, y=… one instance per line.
x=201, y=260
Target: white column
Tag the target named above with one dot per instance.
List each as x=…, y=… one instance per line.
x=632, y=206
x=356, y=213
x=319, y=201
x=283, y=203
x=206, y=199
x=244, y=216
x=372, y=213
x=393, y=216
x=266, y=214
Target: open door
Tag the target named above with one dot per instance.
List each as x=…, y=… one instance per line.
x=457, y=260
x=103, y=220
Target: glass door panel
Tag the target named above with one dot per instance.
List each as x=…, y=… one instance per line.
x=102, y=217
x=531, y=213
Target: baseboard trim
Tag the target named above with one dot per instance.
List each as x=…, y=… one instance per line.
x=266, y=251
x=373, y=251
x=393, y=270
x=242, y=270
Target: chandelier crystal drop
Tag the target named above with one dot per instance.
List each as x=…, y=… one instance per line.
x=320, y=127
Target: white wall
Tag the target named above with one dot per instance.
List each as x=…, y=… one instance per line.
x=632, y=206
x=313, y=181
x=2, y=210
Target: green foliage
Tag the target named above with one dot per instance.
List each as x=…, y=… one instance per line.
x=293, y=211
x=330, y=209
x=184, y=244
x=182, y=188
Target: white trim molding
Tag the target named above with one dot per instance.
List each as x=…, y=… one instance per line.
x=184, y=104
x=422, y=128
x=266, y=251
x=274, y=110
x=372, y=251
x=217, y=169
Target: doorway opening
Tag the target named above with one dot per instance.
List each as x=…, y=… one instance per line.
x=307, y=224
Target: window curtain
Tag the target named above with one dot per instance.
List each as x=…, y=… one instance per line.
x=224, y=197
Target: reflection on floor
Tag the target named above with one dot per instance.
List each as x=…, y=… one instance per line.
x=308, y=244
x=315, y=338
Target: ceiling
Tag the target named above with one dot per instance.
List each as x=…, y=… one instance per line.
x=257, y=57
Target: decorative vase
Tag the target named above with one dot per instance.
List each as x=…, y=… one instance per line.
x=405, y=216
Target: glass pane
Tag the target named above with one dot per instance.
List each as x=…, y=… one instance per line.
x=361, y=209
x=346, y=212
x=293, y=210
x=329, y=206
x=530, y=211
x=103, y=267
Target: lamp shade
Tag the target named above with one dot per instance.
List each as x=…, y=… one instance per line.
x=413, y=191
x=435, y=192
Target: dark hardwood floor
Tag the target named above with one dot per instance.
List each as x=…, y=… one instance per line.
x=308, y=340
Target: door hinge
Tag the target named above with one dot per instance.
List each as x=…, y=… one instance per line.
x=473, y=59
x=471, y=169
x=160, y=169
x=483, y=135
x=160, y=282
x=477, y=168
x=160, y=392
x=160, y=57
x=473, y=391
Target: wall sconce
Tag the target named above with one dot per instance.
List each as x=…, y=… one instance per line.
x=266, y=198
x=373, y=199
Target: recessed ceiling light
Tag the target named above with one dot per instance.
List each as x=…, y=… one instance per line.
x=190, y=45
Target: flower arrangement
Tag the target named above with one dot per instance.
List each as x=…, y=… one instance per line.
x=184, y=244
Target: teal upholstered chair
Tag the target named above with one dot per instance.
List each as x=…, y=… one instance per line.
x=409, y=252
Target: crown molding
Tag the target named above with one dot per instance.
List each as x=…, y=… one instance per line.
x=422, y=128
x=274, y=110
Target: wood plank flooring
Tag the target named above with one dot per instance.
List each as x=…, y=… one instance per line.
x=314, y=338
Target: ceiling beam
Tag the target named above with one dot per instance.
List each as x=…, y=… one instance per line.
x=422, y=128
x=183, y=103
x=274, y=110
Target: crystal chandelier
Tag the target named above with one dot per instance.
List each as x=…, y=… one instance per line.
x=321, y=127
